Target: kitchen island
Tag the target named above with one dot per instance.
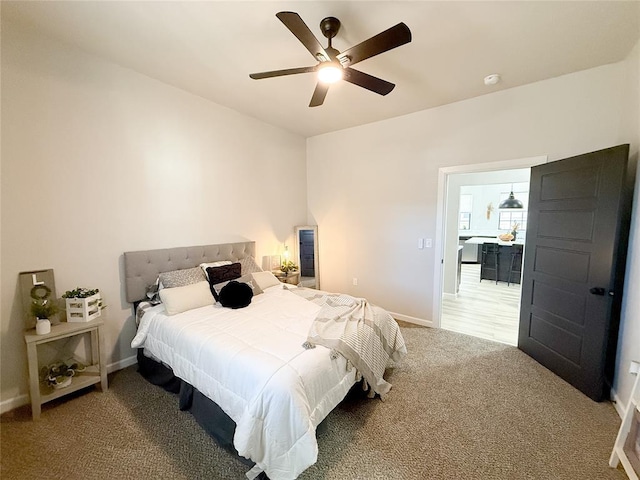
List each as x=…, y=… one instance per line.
x=500, y=261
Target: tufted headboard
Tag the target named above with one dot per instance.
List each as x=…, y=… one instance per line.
x=141, y=268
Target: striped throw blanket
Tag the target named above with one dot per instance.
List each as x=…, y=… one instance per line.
x=366, y=335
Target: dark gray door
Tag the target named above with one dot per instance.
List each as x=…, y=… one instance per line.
x=574, y=266
x=307, y=265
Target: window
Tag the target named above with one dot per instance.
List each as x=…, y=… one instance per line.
x=508, y=217
x=465, y=221
x=466, y=207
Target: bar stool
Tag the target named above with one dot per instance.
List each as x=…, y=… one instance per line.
x=516, y=262
x=490, y=261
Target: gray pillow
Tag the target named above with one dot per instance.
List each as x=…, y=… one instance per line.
x=181, y=278
x=249, y=265
x=153, y=294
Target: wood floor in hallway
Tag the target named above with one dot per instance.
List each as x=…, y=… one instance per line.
x=482, y=308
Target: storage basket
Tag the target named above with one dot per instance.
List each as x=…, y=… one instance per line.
x=83, y=309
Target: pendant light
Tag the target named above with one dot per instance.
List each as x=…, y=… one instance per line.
x=511, y=202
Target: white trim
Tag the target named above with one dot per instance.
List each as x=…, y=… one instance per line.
x=438, y=250
x=441, y=214
x=414, y=320
x=493, y=166
x=20, y=400
x=124, y=363
x=617, y=403
x=15, y=402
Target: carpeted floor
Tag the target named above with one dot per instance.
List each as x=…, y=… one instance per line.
x=460, y=408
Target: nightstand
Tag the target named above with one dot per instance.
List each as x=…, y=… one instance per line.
x=94, y=373
x=292, y=277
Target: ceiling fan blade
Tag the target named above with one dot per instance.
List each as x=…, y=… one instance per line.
x=364, y=80
x=389, y=39
x=280, y=73
x=318, y=94
x=297, y=26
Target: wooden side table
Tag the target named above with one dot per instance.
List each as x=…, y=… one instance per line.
x=291, y=277
x=93, y=374
x=620, y=453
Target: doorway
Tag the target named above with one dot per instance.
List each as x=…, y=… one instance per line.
x=307, y=255
x=465, y=302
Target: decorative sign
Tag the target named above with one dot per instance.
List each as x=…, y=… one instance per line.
x=28, y=280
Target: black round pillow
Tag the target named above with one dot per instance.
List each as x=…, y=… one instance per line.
x=235, y=295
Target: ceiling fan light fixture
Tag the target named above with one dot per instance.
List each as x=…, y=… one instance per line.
x=335, y=65
x=330, y=72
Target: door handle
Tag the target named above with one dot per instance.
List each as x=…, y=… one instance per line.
x=597, y=291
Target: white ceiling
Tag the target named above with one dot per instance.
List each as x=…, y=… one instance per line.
x=209, y=49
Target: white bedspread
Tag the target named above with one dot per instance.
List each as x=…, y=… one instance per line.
x=251, y=362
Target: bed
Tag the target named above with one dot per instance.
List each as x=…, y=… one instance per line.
x=249, y=375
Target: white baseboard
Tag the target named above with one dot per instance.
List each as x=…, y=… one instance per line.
x=407, y=318
x=124, y=363
x=617, y=404
x=20, y=400
x=15, y=402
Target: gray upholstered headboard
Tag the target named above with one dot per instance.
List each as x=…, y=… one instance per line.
x=141, y=268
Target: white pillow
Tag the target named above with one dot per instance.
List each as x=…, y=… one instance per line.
x=204, y=266
x=181, y=299
x=265, y=279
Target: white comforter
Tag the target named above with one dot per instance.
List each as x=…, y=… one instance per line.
x=251, y=362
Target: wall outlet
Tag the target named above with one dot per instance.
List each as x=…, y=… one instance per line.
x=634, y=367
x=427, y=243
x=355, y=281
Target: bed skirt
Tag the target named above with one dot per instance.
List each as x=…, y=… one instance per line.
x=207, y=413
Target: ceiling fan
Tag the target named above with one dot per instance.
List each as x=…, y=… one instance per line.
x=334, y=65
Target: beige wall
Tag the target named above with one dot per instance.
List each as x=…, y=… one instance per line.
x=377, y=194
x=98, y=160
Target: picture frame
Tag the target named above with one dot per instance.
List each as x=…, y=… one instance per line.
x=271, y=263
x=276, y=261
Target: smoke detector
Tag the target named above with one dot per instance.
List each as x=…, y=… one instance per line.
x=491, y=79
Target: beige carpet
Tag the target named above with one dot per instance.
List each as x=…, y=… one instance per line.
x=460, y=408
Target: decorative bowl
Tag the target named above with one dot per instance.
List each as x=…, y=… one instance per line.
x=64, y=383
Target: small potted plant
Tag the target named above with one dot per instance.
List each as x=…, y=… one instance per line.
x=288, y=266
x=43, y=308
